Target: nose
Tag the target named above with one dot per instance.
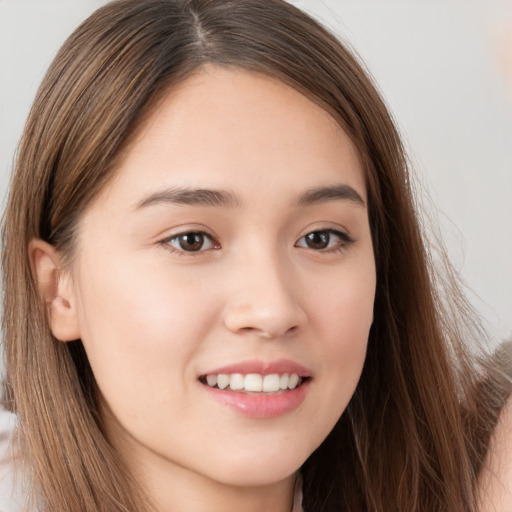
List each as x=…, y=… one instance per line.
x=265, y=300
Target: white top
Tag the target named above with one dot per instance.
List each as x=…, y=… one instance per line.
x=297, y=497
x=11, y=495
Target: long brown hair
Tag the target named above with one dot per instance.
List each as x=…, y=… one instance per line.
x=415, y=432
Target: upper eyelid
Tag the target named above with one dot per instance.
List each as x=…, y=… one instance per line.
x=343, y=233
x=188, y=231
x=202, y=231
x=165, y=243
x=345, y=237
x=172, y=236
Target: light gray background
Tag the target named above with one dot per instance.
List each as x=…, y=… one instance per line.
x=436, y=63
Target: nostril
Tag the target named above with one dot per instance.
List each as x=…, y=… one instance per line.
x=262, y=333
x=267, y=333
x=266, y=320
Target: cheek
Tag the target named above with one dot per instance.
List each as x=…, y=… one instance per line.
x=344, y=305
x=341, y=313
x=138, y=329
x=343, y=318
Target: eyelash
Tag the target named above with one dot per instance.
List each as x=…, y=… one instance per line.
x=167, y=242
x=345, y=241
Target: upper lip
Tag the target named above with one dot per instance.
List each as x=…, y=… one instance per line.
x=262, y=368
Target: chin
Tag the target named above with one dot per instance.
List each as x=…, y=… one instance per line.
x=258, y=470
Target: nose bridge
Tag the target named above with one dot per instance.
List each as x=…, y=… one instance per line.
x=263, y=299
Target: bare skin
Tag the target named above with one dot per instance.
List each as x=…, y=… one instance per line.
x=274, y=264
x=495, y=484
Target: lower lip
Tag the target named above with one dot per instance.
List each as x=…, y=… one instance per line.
x=261, y=405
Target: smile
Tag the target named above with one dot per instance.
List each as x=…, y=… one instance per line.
x=253, y=382
x=259, y=389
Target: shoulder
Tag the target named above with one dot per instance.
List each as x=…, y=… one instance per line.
x=495, y=482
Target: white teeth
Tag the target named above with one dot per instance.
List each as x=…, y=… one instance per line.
x=271, y=383
x=211, y=380
x=254, y=382
x=236, y=381
x=222, y=381
x=293, y=381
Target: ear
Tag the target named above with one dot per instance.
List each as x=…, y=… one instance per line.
x=57, y=289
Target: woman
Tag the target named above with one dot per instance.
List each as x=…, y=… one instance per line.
x=216, y=288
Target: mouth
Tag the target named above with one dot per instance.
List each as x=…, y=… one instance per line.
x=254, y=383
x=259, y=389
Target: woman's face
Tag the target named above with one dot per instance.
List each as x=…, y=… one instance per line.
x=231, y=250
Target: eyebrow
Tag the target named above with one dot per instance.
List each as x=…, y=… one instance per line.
x=191, y=197
x=330, y=193
x=224, y=198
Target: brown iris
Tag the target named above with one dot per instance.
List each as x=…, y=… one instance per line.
x=191, y=241
x=318, y=239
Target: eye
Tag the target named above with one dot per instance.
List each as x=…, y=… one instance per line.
x=191, y=241
x=325, y=239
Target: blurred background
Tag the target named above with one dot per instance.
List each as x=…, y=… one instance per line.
x=444, y=68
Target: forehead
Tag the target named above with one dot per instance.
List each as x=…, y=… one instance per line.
x=234, y=129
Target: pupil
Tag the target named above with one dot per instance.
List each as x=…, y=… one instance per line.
x=318, y=240
x=191, y=241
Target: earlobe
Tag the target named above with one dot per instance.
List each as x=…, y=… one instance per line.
x=57, y=290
